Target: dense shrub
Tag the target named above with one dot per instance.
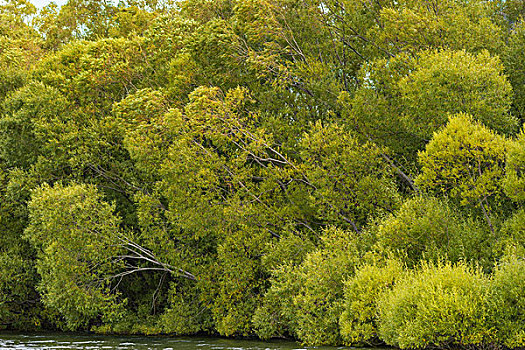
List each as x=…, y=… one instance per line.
x=76, y=235
x=507, y=302
x=274, y=317
x=514, y=180
x=430, y=228
x=449, y=81
x=358, y=321
x=512, y=233
x=465, y=160
x=277, y=315
x=438, y=305
x=307, y=299
x=185, y=314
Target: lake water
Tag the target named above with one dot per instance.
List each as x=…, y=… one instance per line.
x=49, y=341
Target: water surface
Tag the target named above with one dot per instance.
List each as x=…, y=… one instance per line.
x=47, y=341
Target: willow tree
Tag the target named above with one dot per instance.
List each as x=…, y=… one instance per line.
x=465, y=161
x=84, y=255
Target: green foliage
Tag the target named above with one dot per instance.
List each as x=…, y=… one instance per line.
x=512, y=232
x=514, y=181
x=464, y=160
x=32, y=116
x=422, y=228
x=20, y=46
x=413, y=25
x=506, y=302
x=306, y=300
x=186, y=313
x=361, y=184
x=276, y=316
x=92, y=20
x=321, y=275
x=95, y=74
x=362, y=292
x=430, y=229
x=448, y=82
x=236, y=281
x=76, y=234
x=514, y=65
x=19, y=307
x=403, y=100
x=437, y=305
x=227, y=166
x=376, y=107
x=508, y=12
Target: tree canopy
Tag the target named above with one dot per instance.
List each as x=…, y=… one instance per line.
x=270, y=168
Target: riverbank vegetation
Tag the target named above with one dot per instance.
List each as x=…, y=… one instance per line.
x=338, y=172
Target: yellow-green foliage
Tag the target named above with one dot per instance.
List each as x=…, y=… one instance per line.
x=95, y=74
x=276, y=316
x=506, y=302
x=512, y=233
x=360, y=173
x=421, y=228
x=185, y=315
x=514, y=65
x=20, y=44
x=312, y=292
x=402, y=100
x=76, y=234
x=318, y=302
x=235, y=281
x=436, y=305
x=464, y=160
x=223, y=166
x=448, y=82
x=429, y=228
x=273, y=317
x=34, y=119
x=514, y=181
x=376, y=109
x=359, y=320
x=447, y=24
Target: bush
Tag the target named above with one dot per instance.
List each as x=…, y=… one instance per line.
x=447, y=82
x=435, y=306
x=428, y=228
x=273, y=318
x=76, y=234
x=507, y=302
x=358, y=321
x=420, y=228
x=306, y=300
x=186, y=314
x=512, y=233
x=514, y=180
x=276, y=316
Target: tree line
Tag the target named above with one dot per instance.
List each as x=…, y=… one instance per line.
x=339, y=171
